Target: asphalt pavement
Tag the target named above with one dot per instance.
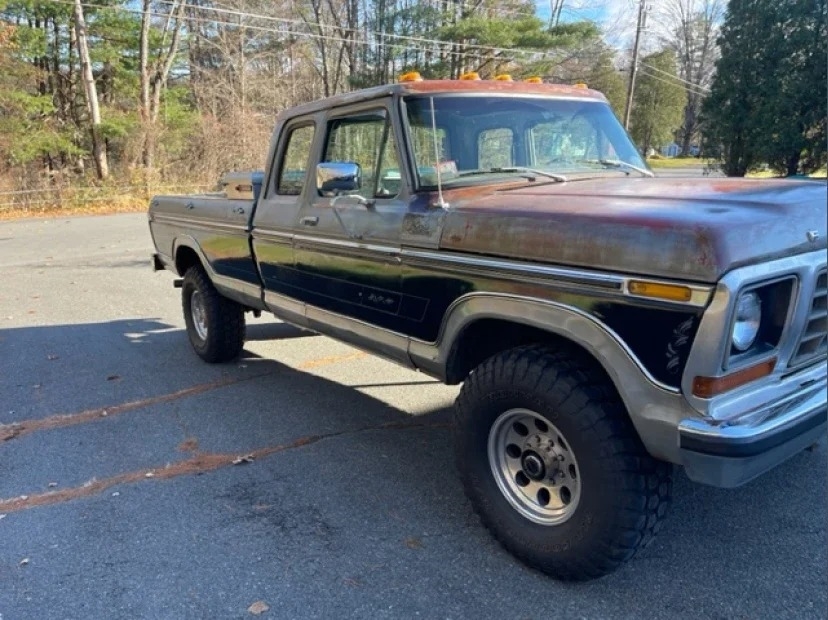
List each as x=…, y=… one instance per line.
x=307, y=478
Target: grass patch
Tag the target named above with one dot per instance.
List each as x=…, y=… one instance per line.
x=679, y=162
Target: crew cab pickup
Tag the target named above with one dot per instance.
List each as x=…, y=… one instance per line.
x=607, y=325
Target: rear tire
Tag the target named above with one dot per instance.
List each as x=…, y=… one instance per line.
x=553, y=466
x=215, y=324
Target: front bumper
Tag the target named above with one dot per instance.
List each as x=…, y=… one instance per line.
x=729, y=454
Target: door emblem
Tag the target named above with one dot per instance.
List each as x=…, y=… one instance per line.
x=812, y=235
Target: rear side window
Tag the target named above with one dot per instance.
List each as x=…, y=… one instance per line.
x=295, y=161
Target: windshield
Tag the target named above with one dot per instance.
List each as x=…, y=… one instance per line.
x=480, y=138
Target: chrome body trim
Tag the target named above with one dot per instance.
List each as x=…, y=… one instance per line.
x=712, y=343
x=271, y=234
x=382, y=342
x=287, y=309
x=614, y=283
x=755, y=404
x=207, y=224
x=771, y=428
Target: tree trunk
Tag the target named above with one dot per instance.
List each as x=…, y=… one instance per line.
x=91, y=92
x=154, y=75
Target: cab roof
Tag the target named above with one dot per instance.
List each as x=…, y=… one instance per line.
x=444, y=87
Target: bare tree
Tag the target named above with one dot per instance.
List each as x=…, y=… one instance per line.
x=689, y=28
x=154, y=71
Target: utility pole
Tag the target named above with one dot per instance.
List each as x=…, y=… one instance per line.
x=642, y=13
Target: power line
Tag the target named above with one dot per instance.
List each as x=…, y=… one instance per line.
x=675, y=77
x=646, y=71
x=379, y=36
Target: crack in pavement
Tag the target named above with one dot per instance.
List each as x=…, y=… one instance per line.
x=200, y=463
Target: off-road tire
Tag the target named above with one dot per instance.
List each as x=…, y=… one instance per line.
x=222, y=326
x=624, y=493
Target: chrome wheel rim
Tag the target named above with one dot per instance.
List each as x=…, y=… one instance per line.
x=534, y=467
x=199, y=314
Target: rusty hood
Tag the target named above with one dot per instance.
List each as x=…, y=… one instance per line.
x=693, y=229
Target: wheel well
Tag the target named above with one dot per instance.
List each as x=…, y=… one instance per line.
x=185, y=258
x=487, y=337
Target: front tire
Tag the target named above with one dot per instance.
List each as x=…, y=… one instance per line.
x=552, y=465
x=215, y=324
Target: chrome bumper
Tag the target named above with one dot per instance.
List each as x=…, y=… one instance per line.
x=729, y=454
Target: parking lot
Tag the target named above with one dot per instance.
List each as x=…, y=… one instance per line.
x=307, y=477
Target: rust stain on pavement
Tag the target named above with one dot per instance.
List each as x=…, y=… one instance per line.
x=25, y=427
x=198, y=464
x=19, y=429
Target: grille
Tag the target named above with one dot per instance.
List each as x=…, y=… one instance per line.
x=813, y=343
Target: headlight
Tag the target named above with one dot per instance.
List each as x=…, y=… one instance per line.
x=747, y=321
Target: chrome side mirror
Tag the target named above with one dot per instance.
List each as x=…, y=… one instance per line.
x=333, y=178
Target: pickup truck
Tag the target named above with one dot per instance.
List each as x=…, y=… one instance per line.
x=607, y=325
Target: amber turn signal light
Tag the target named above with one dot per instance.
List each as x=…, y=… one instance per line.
x=671, y=292
x=708, y=387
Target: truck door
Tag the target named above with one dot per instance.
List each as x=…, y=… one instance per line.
x=347, y=245
x=276, y=216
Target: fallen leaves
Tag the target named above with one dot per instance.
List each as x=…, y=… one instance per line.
x=258, y=608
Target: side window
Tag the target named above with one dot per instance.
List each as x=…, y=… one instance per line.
x=422, y=139
x=494, y=148
x=295, y=161
x=366, y=140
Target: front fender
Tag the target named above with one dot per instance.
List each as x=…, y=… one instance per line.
x=654, y=408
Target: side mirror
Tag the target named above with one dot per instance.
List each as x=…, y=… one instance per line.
x=335, y=177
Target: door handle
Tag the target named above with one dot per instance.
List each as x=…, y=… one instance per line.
x=239, y=210
x=309, y=220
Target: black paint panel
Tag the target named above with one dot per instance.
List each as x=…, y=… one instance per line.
x=415, y=300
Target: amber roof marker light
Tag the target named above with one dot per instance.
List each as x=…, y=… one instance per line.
x=410, y=76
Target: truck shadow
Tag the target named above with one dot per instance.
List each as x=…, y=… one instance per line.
x=378, y=467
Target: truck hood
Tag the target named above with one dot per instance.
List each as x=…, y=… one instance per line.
x=693, y=229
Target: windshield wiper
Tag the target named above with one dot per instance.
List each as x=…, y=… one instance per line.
x=617, y=163
x=522, y=169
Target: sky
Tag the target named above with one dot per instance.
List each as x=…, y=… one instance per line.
x=615, y=17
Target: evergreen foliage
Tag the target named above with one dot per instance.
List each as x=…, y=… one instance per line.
x=768, y=99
